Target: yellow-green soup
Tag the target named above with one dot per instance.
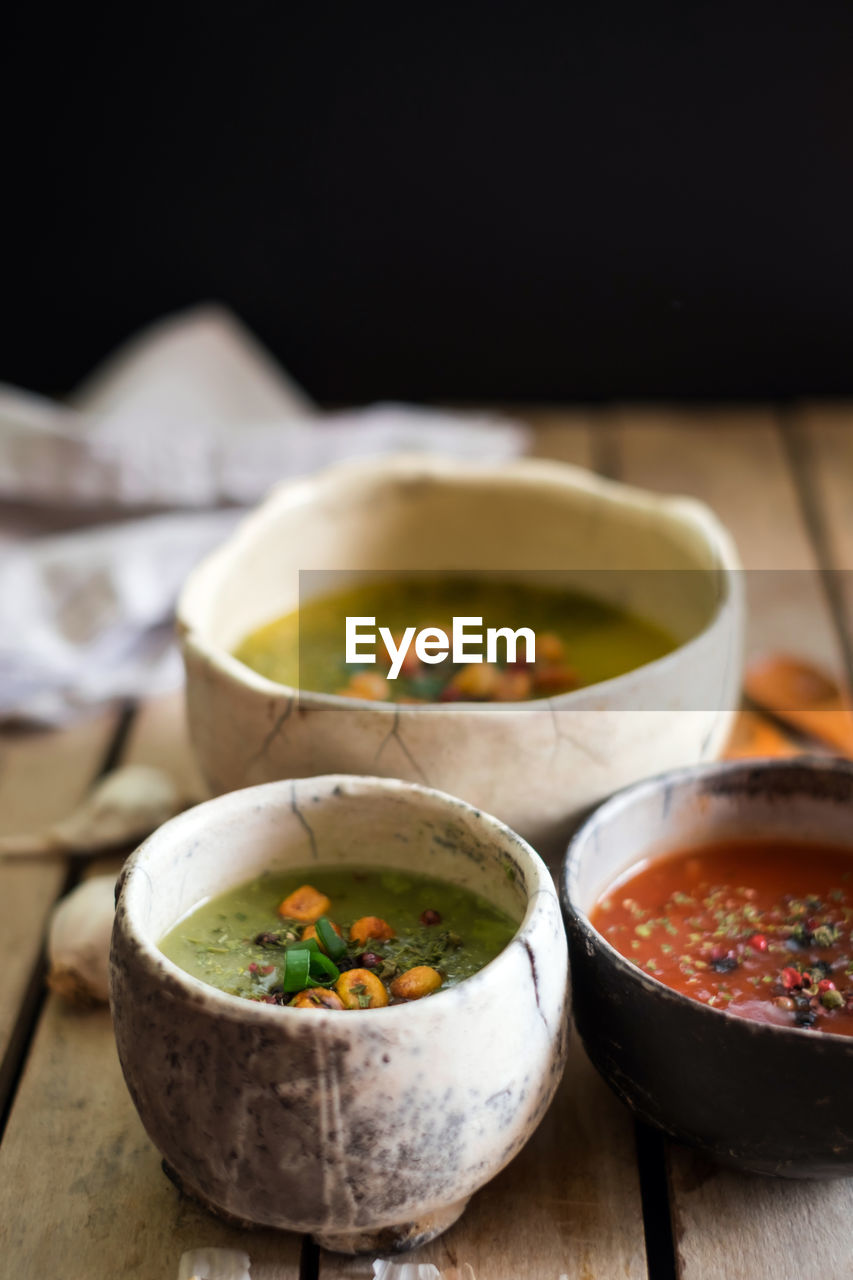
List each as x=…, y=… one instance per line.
x=243, y=942
x=579, y=641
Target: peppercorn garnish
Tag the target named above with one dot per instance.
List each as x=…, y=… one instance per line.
x=738, y=930
x=430, y=917
x=805, y=1018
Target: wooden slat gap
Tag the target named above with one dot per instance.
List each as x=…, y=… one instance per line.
x=309, y=1260
x=650, y=1145
x=656, y=1202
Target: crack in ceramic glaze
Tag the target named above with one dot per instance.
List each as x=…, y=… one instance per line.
x=709, y=736
x=561, y=736
x=303, y=821
x=273, y=733
x=535, y=976
x=394, y=732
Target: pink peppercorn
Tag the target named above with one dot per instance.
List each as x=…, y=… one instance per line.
x=791, y=978
x=758, y=942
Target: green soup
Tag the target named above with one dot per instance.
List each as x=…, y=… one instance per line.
x=242, y=943
x=579, y=641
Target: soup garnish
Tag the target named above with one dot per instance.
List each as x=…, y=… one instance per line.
x=579, y=641
x=760, y=929
x=313, y=940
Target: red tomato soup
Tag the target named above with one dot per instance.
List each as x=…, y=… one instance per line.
x=761, y=930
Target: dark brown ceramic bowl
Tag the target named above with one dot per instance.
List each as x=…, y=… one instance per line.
x=759, y=1097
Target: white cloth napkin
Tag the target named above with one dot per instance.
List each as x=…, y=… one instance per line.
x=106, y=502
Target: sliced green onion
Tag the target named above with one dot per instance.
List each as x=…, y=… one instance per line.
x=297, y=965
x=332, y=944
x=323, y=969
x=310, y=944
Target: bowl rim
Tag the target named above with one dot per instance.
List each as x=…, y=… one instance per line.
x=238, y=1008
x=671, y=779
x=556, y=475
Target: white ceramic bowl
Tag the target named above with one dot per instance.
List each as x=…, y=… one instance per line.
x=372, y=1128
x=537, y=765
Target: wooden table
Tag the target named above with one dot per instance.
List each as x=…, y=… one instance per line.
x=81, y=1191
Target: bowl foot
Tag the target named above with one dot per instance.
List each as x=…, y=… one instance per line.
x=394, y=1239
x=230, y=1219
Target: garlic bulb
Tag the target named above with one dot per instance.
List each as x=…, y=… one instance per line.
x=214, y=1264
x=78, y=942
x=385, y=1270
x=122, y=808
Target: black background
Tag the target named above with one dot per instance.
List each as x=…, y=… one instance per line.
x=468, y=201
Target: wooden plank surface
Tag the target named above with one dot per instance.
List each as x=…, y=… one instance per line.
x=729, y=1226
x=824, y=435
x=736, y=461
x=565, y=436
x=159, y=736
x=826, y=432
x=732, y=1226
x=42, y=777
x=82, y=1194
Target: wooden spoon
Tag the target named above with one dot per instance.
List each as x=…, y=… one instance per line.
x=754, y=735
x=804, y=697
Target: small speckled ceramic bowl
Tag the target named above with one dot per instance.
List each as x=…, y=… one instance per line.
x=536, y=765
x=756, y=1096
x=369, y=1129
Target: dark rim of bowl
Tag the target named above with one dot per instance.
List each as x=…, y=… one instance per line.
x=674, y=778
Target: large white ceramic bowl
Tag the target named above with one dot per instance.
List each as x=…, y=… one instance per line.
x=536, y=765
x=370, y=1128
